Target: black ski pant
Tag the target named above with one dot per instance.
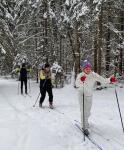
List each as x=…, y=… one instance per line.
x=43, y=94
x=25, y=83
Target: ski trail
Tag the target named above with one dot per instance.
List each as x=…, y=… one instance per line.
x=71, y=129
x=109, y=139
x=107, y=142
x=23, y=138
x=28, y=128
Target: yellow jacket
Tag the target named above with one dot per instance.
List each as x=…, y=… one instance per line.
x=43, y=75
x=17, y=70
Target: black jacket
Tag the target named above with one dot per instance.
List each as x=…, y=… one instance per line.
x=23, y=74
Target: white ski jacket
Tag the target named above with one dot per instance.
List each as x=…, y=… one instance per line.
x=89, y=82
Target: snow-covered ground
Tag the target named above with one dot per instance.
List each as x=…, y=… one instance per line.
x=23, y=127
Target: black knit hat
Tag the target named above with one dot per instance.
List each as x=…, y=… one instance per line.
x=46, y=65
x=23, y=65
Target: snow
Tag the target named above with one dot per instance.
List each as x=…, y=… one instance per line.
x=83, y=11
x=52, y=14
x=66, y=18
x=3, y=51
x=9, y=16
x=24, y=127
x=45, y=15
x=95, y=1
x=67, y=2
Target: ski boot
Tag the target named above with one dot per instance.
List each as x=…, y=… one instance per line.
x=40, y=105
x=86, y=132
x=51, y=105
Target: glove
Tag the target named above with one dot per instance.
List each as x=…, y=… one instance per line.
x=113, y=79
x=47, y=77
x=83, y=78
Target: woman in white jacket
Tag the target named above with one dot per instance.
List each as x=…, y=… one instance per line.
x=85, y=83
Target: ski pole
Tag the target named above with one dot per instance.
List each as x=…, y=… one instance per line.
x=83, y=112
x=36, y=100
x=18, y=87
x=29, y=85
x=119, y=109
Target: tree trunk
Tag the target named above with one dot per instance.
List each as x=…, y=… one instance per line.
x=60, y=48
x=121, y=41
x=95, y=54
x=77, y=51
x=36, y=51
x=100, y=21
x=108, y=36
x=75, y=44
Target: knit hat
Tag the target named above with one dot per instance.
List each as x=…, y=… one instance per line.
x=85, y=64
x=46, y=65
x=23, y=65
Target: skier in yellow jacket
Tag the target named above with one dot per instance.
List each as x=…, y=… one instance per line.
x=46, y=85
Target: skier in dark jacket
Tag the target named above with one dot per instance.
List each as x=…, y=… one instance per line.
x=23, y=78
x=46, y=85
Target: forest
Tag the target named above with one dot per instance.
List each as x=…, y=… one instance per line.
x=65, y=31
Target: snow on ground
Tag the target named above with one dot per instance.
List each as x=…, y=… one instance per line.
x=23, y=127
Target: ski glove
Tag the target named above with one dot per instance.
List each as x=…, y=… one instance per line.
x=83, y=78
x=113, y=79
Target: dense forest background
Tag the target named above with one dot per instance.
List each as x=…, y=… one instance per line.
x=65, y=31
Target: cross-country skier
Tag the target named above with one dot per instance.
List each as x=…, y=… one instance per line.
x=85, y=83
x=23, y=78
x=46, y=85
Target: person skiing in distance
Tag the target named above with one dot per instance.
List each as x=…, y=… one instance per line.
x=23, y=78
x=46, y=85
x=85, y=82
